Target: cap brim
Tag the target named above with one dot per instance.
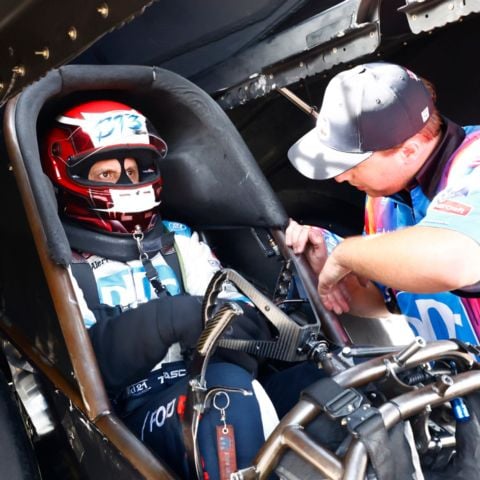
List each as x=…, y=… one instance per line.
x=315, y=160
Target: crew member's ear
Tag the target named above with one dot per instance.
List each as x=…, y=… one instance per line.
x=410, y=151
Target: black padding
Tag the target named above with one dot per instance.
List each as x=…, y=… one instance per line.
x=210, y=176
x=464, y=465
x=27, y=110
x=121, y=248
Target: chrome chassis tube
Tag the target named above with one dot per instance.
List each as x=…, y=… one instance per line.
x=290, y=432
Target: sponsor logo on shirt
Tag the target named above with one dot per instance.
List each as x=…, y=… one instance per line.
x=450, y=206
x=94, y=264
x=182, y=372
x=138, y=388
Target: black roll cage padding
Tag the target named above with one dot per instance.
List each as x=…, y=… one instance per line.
x=207, y=155
x=211, y=179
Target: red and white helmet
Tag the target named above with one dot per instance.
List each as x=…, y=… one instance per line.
x=101, y=130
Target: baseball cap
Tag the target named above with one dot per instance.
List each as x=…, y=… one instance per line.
x=371, y=107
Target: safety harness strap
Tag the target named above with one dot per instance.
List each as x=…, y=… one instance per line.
x=363, y=421
x=85, y=278
x=152, y=275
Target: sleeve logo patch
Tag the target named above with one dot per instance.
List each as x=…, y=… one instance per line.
x=450, y=206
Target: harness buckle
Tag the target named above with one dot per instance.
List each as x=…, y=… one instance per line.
x=345, y=403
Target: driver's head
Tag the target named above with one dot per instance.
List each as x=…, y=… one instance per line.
x=103, y=158
x=115, y=171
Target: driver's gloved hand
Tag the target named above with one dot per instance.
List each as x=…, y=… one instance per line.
x=249, y=326
x=181, y=321
x=130, y=344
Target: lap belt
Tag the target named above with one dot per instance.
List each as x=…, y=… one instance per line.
x=363, y=421
x=135, y=395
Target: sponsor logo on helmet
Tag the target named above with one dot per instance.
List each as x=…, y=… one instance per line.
x=115, y=128
x=111, y=128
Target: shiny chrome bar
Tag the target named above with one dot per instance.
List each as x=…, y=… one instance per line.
x=326, y=462
x=376, y=368
x=407, y=405
x=353, y=467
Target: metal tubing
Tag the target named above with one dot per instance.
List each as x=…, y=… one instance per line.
x=376, y=368
x=403, y=355
x=355, y=463
x=95, y=400
x=268, y=455
x=41, y=363
x=305, y=107
x=407, y=405
x=443, y=384
x=414, y=402
x=322, y=459
x=133, y=449
x=392, y=412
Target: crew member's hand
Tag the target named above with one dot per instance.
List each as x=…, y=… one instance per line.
x=308, y=240
x=332, y=286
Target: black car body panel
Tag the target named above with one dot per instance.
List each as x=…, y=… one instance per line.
x=227, y=174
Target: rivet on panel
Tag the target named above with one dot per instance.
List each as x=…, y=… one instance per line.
x=103, y=10
x=72, y=33
x=19, y=70
x=45, y=53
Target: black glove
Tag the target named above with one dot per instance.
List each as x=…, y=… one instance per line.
x=249, y=326
x=131, y=343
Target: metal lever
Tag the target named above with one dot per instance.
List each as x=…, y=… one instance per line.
x=198, y=395
x=290, y=337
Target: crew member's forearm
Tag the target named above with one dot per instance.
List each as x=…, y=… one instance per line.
x=416, y=259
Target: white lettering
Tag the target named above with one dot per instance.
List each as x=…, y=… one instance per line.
x=117, y=289
x=138, y=388
x=158, y=417
x=154, y=420
x=111, y=295
x=170, y=408
x=424, y=325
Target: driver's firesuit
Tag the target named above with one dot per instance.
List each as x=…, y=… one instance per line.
x=139, y=283
x=130, y=334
